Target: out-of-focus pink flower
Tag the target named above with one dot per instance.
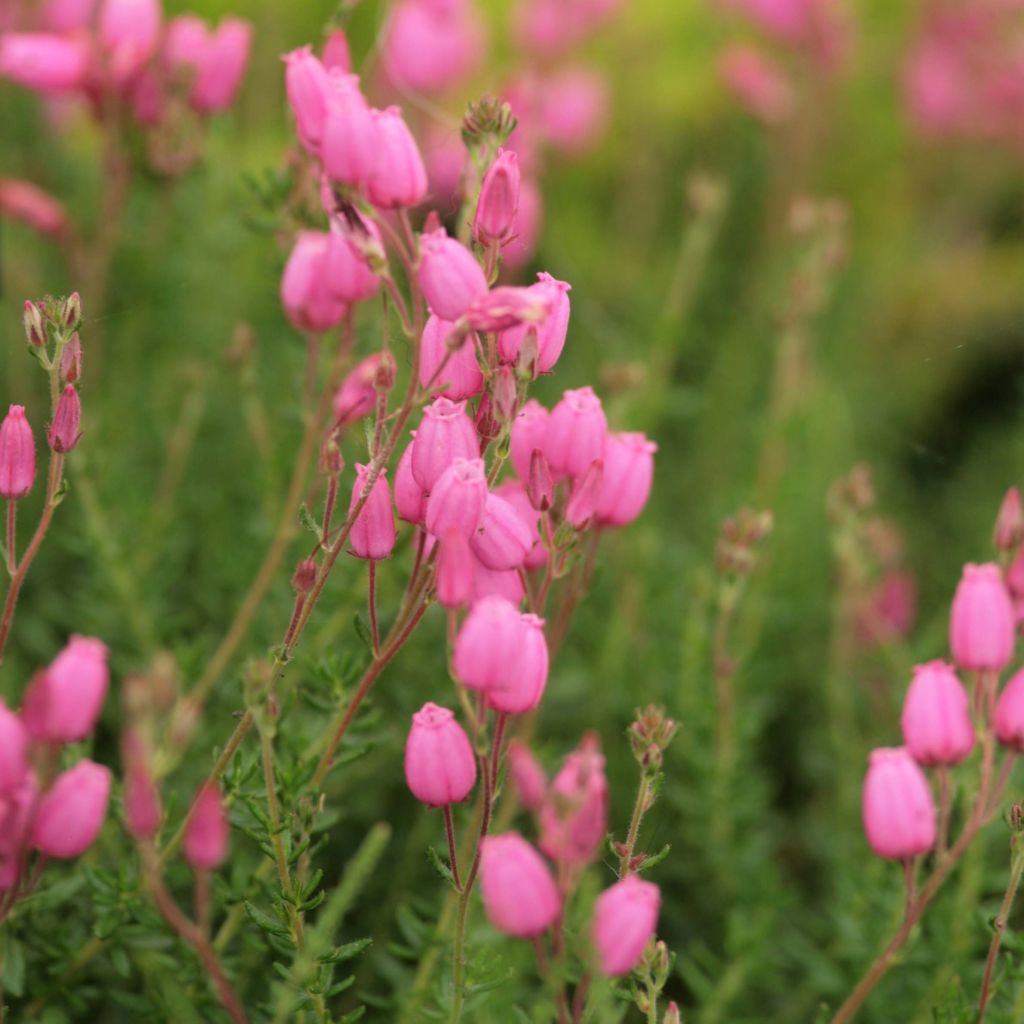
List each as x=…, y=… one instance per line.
x=304, y=285
x=308, y=86
x=758, y=83
x=13, y=751
x=898, y=809
x=574, y=109
x=350, y=277
x=526, y=775
x=520, y=896
x=67, y=15
x=223, y=66
x=21, y=200
x=625, y=916
x=43, y=62
x=206, y=837
x=398, y=177
x=358, y=393
x=129, y=31
x=574, y=817
x=982, y=620
x=429, y=46
x=349, y=140
x=936, y=718
x=71, y=813
x=336, y=54
x=449, y=275
x=445, y=157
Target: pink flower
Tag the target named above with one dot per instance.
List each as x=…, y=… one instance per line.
x=68, y=15
x=357, y=395
x=454, y=570
x=529, y=432
x=586, y=491
x=440, y=766
x=982, y=620
x=1009, y=716
x=489, y=647
x=625, y=916
x=626, y=481
x=70, y=694
x=398, y=177
x=758, y=83
x=129, y=31
x=336, y=52
x=505, y=308
x=410, y=498
x=1009, y=528
x=898, y=810
x=309, y=90
x=207, y=834
x=496, y=208
x=449, y=275
x=13, y=751
x=429, y=46
x=519, y=894
x=502, y=539
x=64, y=432
x=141, y=802
x=550, y=332
x=305, y=294
x=574, y=818
x=71, y=812
x=576, y=432
x=521, y=690
x=349, y=276
x=445, y=433
x=373, y=532
x=45, y=63
x=222, y=68
x=17, y=455
x=350, y=135
x=526, y=775
x=515, y=494
x=461, y=376
x=936, y=720
x=505, y=584
x=574, y=109
x=21, y=200
x=458, y=498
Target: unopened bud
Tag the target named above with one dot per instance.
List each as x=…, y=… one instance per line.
x=504, y=391
x=304, y=577
x=672, y=1015
x=487, y=424
x=585, y=495
x=529, y=354
x=71, y=313
x=650, y=734
x=487, y=119
x=1015, y=817
x=384, y=376
x=71, y=360
x=35, y=328
x=1009, y=529
x=660, y=962
x=332, y=462
x=540, y=488
x=64, y=432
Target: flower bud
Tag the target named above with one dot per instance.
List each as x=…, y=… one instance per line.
x=13, y=751
x=309, y=88
x=398, y=177
x=222, y=67
x=331, y=461
x=71, y=360
x=936, y=720
x=64, y=433
x=982, y=620
x=357, y=395
x=550, y=331
x=35, y=328
x=454, y=373
x=672, y=1015
x=898, y=810
x=1009, y=715
x=206, y=836
x=526, y=775
x=304, y=577
x=17, y=455
x=458, y=498
x=350, y=136
x=521, y=690
x=499, y=200
x=449, y=275
x=69, y=696
x=586, y=492
x=576, y=433
x=489, y=648
x=1009, y=528
x=625, y=916
x=373, y=532
x=519, y=894
x=529, y=430
x=444, y=434
x=440, y=766
x=626, y=481
x=410, y=498
x=574, y=818
x=71, y=311
x=428, y=46
x=304, y=289
x=502, y=539
x=454, y=569
x=515, y=493
x=70, y=814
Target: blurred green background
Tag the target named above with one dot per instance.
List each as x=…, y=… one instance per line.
x=909, y=356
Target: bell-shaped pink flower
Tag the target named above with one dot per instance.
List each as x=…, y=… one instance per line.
x=445, y=433
x=73, y=688
x=626, y=481
x=507, y=307
x=1009, y=716
x=141, y=802
x=458, y=499
x=550, y=332
x=982, y=620
x=521, y=690
x=428, y=46
x=574, y=818
x=576, y=433
x=515, y=494
x=206, y=837
x=129, y=31
x=349, y=277
x=398, y=178
x=526, y=775
x=505, y=584
x=64, y=432
x=454, y=570
x=223, y=66
x=304, y=285
x=489, y=647
x=440, y=766
x=348, y=146
x=529, y=432
x=519, y=893
x=357, y=395
x=625, y=916
x=17, y=455
x=373, y=532
x=449, y=275
x=454, y=374
x=498, y=203
x=26, y=202
x=410, y=498
x=897, y=805
x=502, y=539
x=936, y=720
x=43, y=62
x=71, y=812
x=308, y=86
x=13, y=751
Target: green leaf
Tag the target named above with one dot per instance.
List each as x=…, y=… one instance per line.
x=346, y=952
x=14, y=967
x=363, y=631
x=654, y=858
x=307, y=520
x=440, y=866
x=264, y=921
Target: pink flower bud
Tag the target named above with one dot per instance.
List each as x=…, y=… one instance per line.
x=539, y=487
x=982, y=620
x=428, y=46
x=44, y=63
x=445, y=433
x=13, y=751
x=460, y=376
x=1009, y=529
x=550, y=331
x=222, y=66
x=898, y=810
x=574, y=818
x=626, y=482
x=129, y=31
x=72, y=690
x=336, y=52
x=499, y=200
x=410, y=498
x=21, y=200
x=373, y=532
x=64, y=433
x=357, y=395
x=507, y=584
x=526, y=774
x=304, y=285
x=936, y=720
x=449, y=275
x=502, y=539
x=758, y=83
x=32, y=315
x=17, y=455
x=71, y=812
x=520, y=896
x=505, y=308
x=350, y=136
x=514, y=493
x=349, y=277
x=576, y=433
x=309, y=88
x=625, y=916
x=454, y=570
x=398, y=178
x=440, y=766
x=529, y=432
x=185, y=43
x=1009, y=716
x=489, y=647
x=141, y=802
x=586, y=492
x=207, y=834
x=505, y=394
x=521, y=689
x=458, y=499
x=71, y=360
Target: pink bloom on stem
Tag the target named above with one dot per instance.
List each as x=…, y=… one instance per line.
x=1009, y=528
x=505, y=584
x=429, y=46
x=526, y=775
x=626, y=482
x=458, y=498
x=574, y=109
x=73, y=689
x=336, y=52
x=64, y=432
x=550, y=331
x=521, y=690
x=373, y=532
x=454, y=570
x=982, y=620
x=129, y=30
x=44, y=63
x=529, y=433
x=350, y=134
x=625, y=916
x=71, y=812
x=515, y=493
x=304, y=285
x=461, y=376
x=13, y=751
x=489, y=646
x=496, y=208
x=357, y=395
x=898, y=809
x=223, y=66
x=206, y=836
x=17, y=455
x=410, y=498
x=349, y=276
x=507, y=307
x=583, y=499
x=445, y=433
x=25, y=202
x=1009, y=716
x=574, y=818
x=519, y=893
x=502, y=539
x=758, y=83
x=449, y=275
x=936, y=719
x=440, y=766
x=309, y=89
x=577, y=432
x=68, y=15
x=398, y=177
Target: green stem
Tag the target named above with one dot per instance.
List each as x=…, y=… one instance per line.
x=999, y=925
